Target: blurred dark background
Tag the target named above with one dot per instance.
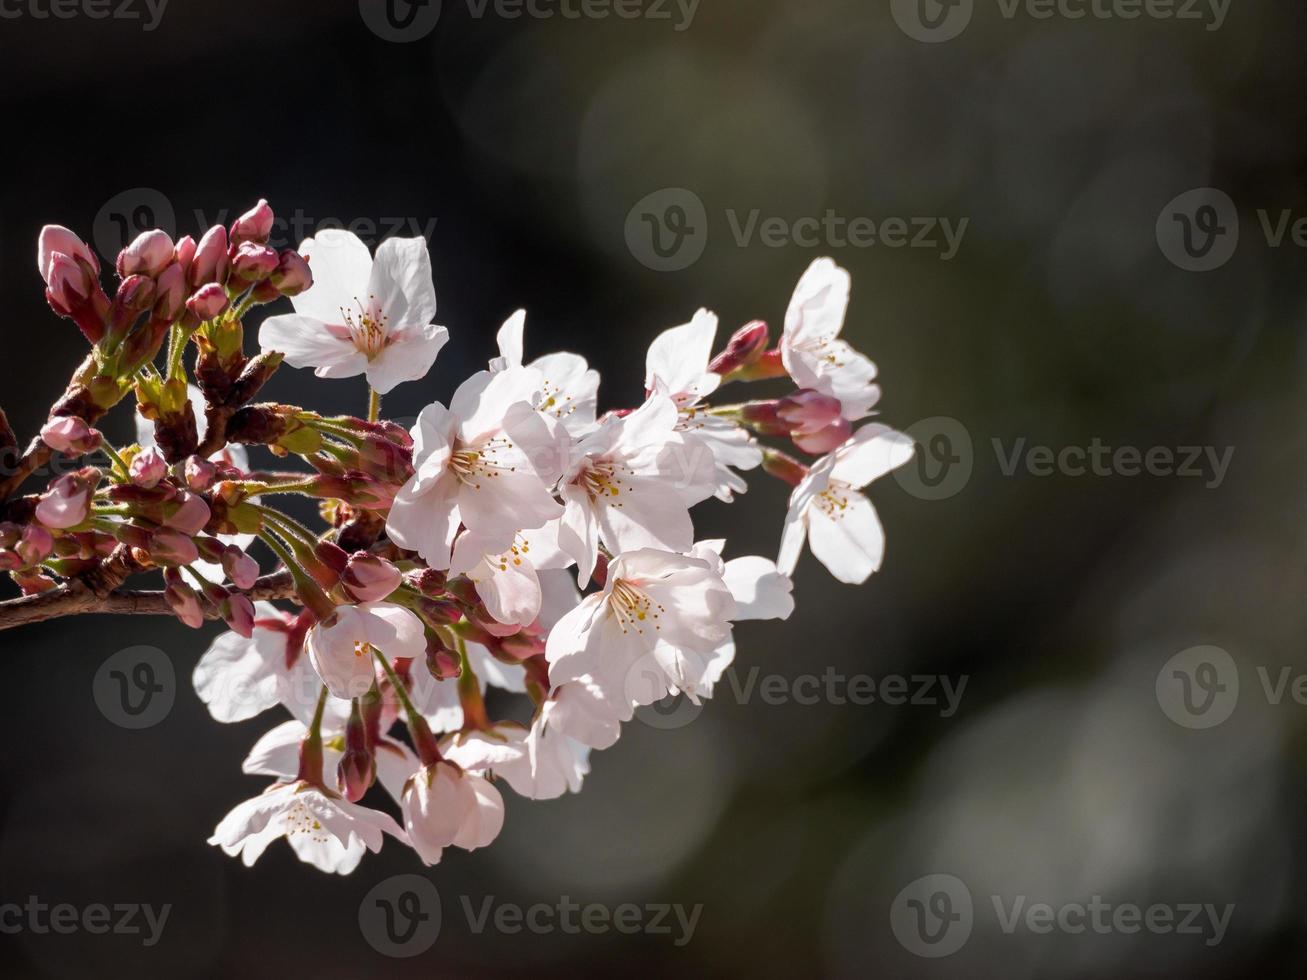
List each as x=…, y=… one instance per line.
x=522, y=146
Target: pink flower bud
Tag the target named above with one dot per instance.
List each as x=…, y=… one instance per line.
x=69, y=284
x=184, y=253
x=293, y=275
x=148, y=255
x=56, y=239
x=148, y=468
x=208, y=302
x=65, y=504
x=184, y=602
x=211, y=261
x=35, y=546
x=200, y=473
x=824, y=440
x=170, y=293
x=238, y=612
x=357, y=768
x=255, y=225
x=744, y=348
x=253, y=262
x=189, y=515
x=172, y=548
x=809, y=411
x=326, y=564
x=240, y=568
x=368, y=578
x=136, y=293
x=70, y=436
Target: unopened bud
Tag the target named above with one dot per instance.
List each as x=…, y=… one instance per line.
x=66, y=504
x=70, y=436
x=189, y=514
x=172, y=548
x=56, y=239
x=148, y=468
x=369, y=578
x=200, y=473
x=293, y=275
x=253, y=262
x=147, y=255
x=208, y=302
x=240, y=567
x=183, y=600
x=170, y=293
x=184, y=254
x=211, y=258
x=255, y=225
x=745, y=347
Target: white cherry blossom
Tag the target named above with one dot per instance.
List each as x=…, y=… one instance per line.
x=631, y=485
x=447, y=807
x=811, y=348
x=322, y=827
x=486, y=462
x=362, y=316
x=342, y=651
x=840, y=523
x=569, y=389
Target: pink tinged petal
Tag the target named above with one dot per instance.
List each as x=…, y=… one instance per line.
x=582, y=712
x=819, y=304
x=567, y=647
x=407, y=360
x=484, y=818
x=433, y=441
x=396, y=765
x=873, y=451
x=480, y=403
x=759, y=588
x=276, y=753
x=678, y=358
x=645, y=514
x=394, y=630
x=308, y=342
x=425, y=523
x=578, y=532
x=328, y=855
x=571, y=391
x=340, y=656
x=401, y=281
x=508, y=585
x=509, y=340
x=342, y=270
x=851, y=543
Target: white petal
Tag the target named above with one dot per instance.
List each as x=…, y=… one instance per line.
x=402, y=283
x=342, y=269
x=873, y=451
x=759, y=588
x=678, y=358
x=407, y=360
x=509, y=339
x=307, y=342
x=852, y=545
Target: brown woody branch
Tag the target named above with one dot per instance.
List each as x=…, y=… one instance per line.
x=77, y=599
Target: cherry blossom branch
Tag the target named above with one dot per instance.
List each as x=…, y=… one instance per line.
x=77, y=599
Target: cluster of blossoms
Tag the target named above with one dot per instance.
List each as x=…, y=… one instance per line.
x=515, y=537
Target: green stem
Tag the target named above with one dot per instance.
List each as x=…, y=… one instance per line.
x=423, y=740
x=374, y=404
